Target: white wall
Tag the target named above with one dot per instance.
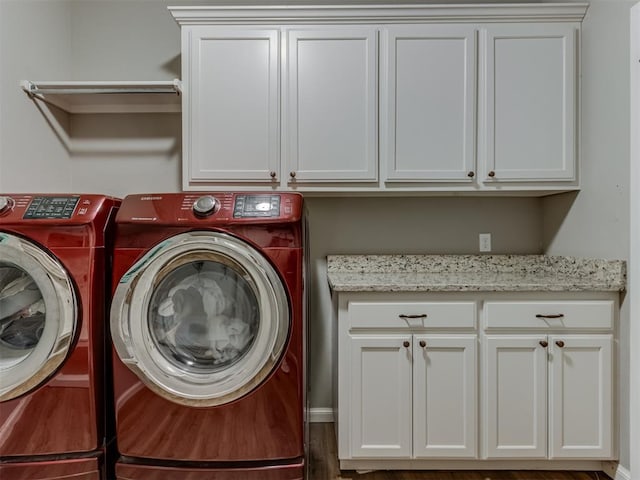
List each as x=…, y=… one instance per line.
x=132, y=40
x=634, y=270
x=595, y=223
x=35, y=43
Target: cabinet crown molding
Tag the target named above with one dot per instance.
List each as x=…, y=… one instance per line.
x=372, y=13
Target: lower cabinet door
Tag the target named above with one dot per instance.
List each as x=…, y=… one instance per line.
x=580, y=380
x=381, y=396
x=444, y=396
x=515, y=400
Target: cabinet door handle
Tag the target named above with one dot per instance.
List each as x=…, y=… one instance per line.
x=419, y=315
x=272, y=174
x=423, y=344
x=471, y=174
x=560, y=343
x=491, y=174
x=406, y=344
x=292, y=174
x=554, y=315
x=544, y=343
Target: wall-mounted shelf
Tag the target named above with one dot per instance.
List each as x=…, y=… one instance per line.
x=108, y=96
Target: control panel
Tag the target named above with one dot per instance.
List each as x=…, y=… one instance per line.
x=211, y=208
x=256, y=206
x=51, y=207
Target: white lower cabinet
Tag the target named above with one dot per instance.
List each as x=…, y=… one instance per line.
x=419, y=381
x=434, y=374
x=444, y=396
x=380, y=395
x=411, y=393
x=516, y=397
x=549, y=396
x=548, y=393
x=580, y=396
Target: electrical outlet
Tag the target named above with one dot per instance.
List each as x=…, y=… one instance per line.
x=485, y=242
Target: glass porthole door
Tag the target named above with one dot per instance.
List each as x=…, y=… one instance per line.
x=38, y=316
x=202, y=318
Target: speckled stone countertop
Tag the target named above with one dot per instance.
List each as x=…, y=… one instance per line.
x=468, y=273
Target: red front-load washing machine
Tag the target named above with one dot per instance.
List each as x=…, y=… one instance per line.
x=54, y=260
x=207, y=321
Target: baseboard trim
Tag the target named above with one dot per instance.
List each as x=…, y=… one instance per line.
x=615, y=471
x=321, y=415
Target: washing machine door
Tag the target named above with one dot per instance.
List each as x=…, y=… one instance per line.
x=202, y=318
x=38, y=315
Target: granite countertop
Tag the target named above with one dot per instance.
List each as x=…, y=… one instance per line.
x=469, y=273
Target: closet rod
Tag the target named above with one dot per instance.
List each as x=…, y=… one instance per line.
x=71, y=88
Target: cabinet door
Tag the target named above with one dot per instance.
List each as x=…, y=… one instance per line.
x=444, y=396
x=331, y=125
x=528, y=102
x=381, y=396
x=230, y=105
x=580, y=415
x=428, y=96
x=515, y=400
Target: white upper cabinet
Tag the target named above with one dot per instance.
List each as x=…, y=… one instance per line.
x=429, y=100
x=402, y=99
x=231, y=105
x=331, y=94
x=528, y=105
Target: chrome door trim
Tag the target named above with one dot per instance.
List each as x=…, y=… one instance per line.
x=130, y=329
x=61, y=316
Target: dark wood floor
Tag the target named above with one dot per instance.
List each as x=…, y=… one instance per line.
x=324, y=466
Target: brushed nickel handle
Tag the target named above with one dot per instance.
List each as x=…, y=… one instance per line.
x=419, y=315
x=471, y=174
x=491, y=174
x=544, y=343
x=554, y=315
x=423, y=343
x=560, y=343
x=406, y=344
x=292, y=174
x=272, y=174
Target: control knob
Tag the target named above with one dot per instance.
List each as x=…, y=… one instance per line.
x=205, y=206
x=5, y=204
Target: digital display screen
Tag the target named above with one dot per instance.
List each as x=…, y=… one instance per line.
x=256, y=206
x=51, y=207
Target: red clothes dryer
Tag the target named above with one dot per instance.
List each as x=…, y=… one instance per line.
x=54, y=262
x=207, y=321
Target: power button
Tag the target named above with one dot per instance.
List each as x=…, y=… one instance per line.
x=5, y=204
x=206, y=205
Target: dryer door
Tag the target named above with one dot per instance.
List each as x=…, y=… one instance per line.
x=202, y=319
x=38, y=315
